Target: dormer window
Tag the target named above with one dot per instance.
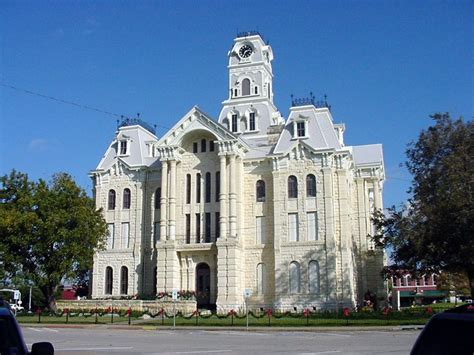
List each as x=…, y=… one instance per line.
x=300, y=129
x=123, y=147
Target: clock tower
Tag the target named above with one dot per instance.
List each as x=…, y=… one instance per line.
x=249, y=110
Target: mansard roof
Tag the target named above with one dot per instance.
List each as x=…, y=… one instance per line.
x=321, y=133
x=370, y=154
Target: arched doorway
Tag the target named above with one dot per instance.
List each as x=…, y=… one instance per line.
x=203, y=285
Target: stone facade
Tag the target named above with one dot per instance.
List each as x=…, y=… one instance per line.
x=252, y=201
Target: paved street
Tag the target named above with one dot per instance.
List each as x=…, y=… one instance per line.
x=102, y=340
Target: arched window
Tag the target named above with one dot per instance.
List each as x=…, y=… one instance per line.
x=426, y=280
x=294, y=277
x=198, y=188
x=203, y=145
x=109, y=280
x=245, y=87
x=310, y=185
x=158, y=198
x=111, y=200
x=124, y=280
x=260, y=186
x=261, y=279
x=208, y=188
x=292, y=187
x=313, y=271
x=126, y=199
x=188, y=188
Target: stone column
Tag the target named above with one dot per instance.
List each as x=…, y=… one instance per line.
x=223, y=197
x=331, y=282
x=172, y=201
x=232, y=197
x=164, y=199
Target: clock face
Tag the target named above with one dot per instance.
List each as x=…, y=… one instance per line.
x=245, y=51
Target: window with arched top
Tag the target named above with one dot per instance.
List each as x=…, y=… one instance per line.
x=260, y=187
x=124, y=280
x=314, y=279
x=111, y=200
x=203, y=145
x=261, y=271
x=126, y=199
x=198, y=188
x=292, y=186
x=188, y=188
x=109, y=280
x=245, y=87
x=294, y=277
x=310, y=185
x=158, y=198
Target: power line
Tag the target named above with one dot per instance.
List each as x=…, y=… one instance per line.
x=62, y=101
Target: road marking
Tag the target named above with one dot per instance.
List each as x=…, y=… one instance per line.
x=336, y=335
x=97, y=349
x=201, y=352
x=51, y=330
x=322, y=352
x=34, y=329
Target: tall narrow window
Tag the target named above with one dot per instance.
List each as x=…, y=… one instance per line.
x=211, y=145
x=188, y=228
x=126, y=199
x=198, y=188
x=218, y=185
x=111, y=235
x=155, y=279
x=203, y=145
x=188, y=188
x=292, y=187
x=208, y=188
x=207, y=235
x=195, y=147
x=123, y=148
x=124, y=280
x=198, y=228
x=234, y=123
x=245, y=87
x=269, y=91
x=261, y=277
x=313, y=271
x=156, y=232
x=260, y=187
x=125, y=234
x=310, y=185
x=109, y=280
x=158, y=198
x=293, y=227
x=301, y=129
x=252, y=126
x=256, y=90
x=294, y=277
x=260, y=229
x=426, y=280
x=111, y=200
x=312, y=227
x=218, y=225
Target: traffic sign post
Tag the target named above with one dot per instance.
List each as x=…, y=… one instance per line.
x=247, y=294
x=174, y=295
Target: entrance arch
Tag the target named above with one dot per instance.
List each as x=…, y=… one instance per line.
x=203, y=285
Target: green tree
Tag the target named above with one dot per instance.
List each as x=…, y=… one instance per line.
x=433, y=231
x=49, y=231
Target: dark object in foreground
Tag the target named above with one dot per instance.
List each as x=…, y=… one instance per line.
x=11, y=338
x=450, y=332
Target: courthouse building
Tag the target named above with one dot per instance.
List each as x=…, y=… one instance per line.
x=250, y=201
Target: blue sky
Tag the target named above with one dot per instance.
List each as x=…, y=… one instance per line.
x=385, y=66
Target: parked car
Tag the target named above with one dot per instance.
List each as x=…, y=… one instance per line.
x=16, y=307
x=11, y=338
x=450, y=332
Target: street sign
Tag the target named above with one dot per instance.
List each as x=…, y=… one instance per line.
x=247, y=292
x=174, y=295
